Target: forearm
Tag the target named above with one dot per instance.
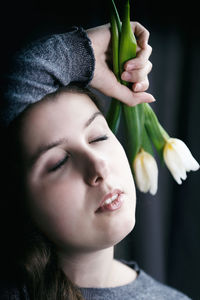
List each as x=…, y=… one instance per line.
x=46, y=65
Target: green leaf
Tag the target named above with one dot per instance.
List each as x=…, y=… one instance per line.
x=115, y=35
x=133, y=115
x=115, y=14
x=114, y=115
x=128, y=44
x=114, y=112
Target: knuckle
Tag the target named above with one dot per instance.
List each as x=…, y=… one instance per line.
x=140, y=64
x=147, y=32
x=149, y=49
x=147, y=84
x=133, y=103
x=150, y=66
x=144, y=85
x=136, y=23
x=136, y=76
x=129, y=103
x=141, y=76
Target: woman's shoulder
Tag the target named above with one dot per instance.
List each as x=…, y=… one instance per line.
x=122, y=274
x=150, y=288
x=140, y=287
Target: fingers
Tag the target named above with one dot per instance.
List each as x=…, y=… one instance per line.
x=137, y=75
x=137, y=98
x=129, y=97
x=137, y=69
x=140, y=60
x=141, y=86
x=141, y=33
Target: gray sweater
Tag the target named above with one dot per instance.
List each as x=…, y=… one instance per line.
x=44, y=66
x=143, y=287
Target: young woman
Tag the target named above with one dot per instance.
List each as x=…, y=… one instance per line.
x=71, y=196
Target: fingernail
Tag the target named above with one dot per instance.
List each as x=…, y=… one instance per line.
x=126, y=76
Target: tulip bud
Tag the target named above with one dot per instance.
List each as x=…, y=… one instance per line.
x=179, y=159
x=146, y=172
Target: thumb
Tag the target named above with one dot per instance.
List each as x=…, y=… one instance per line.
x=127, y=96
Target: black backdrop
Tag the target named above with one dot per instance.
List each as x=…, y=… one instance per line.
x=166, y=239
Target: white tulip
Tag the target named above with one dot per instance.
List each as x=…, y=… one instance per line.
x=179, y=159
x=146, y=172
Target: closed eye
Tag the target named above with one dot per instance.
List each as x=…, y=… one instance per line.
x=59, y=164
x=99, y=139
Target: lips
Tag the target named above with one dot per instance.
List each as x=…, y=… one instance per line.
x=111, y=202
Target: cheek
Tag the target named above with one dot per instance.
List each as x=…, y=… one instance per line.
x=121, y=162
x=54, y=207
x=126, y=177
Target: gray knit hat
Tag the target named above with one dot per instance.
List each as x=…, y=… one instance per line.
x=43, y=67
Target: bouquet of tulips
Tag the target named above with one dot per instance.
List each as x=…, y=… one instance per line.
x=142, y=126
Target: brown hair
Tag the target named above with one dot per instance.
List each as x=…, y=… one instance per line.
x=35, y=259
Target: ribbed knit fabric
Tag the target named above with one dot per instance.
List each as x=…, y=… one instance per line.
x=43, y=67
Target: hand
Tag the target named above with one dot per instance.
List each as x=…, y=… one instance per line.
x=137, y=69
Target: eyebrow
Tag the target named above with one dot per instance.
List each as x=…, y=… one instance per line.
x=93, y=117
x=44, y=148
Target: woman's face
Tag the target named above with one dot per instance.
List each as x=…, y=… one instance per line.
x=73, y=163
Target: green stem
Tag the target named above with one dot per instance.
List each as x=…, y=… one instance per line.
x=157, y=133
x=134, y=127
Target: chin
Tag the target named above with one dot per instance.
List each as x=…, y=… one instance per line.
x=119, y=232
x=126, y=230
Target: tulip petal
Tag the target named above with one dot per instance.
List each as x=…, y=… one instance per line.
x=173, y=162
x=140, y=176
x=188, y=160
x=146, y=172
x=179, y=159
x=151, y=171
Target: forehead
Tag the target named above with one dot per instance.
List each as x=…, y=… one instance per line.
x=54, y=118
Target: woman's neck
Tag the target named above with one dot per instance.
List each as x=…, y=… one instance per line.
x=92, y=269
x=96, y=269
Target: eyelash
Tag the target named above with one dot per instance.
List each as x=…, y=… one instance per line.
x=63, y=161
x=99, y=139
x=59, y=164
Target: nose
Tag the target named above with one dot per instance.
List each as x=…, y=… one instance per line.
x=95, y=169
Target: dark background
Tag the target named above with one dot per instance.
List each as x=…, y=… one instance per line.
x=166, y=239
